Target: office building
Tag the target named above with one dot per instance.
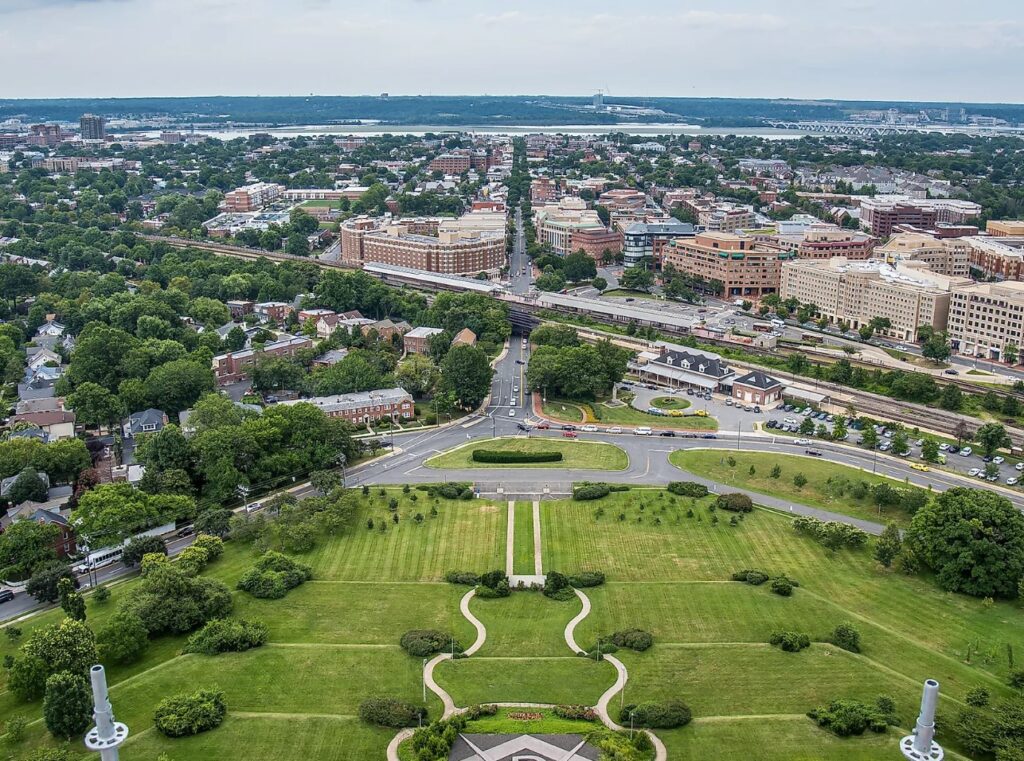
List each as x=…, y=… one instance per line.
x=647, y=240
x=743, y=267
x=623, y=200
x=93, y=127
x=996, y=258
x=908, y=294
x=571, y=226
x=984, y=318
x=879, y=215
x=818, y=240
x=1005, y=227
x=252, y=197
x=945, y=256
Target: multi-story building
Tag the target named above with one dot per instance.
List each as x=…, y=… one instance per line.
x=995, y=258
x=727, y=218
x=879, y=215
x=984, y=318
x=623, y=200
x=273, y=310
x=647, y=240
x=823, y=241
x=61, y=164
x=455, y=162
x=945, y=256
x=417, y=340
x=561, y=227
x=908, y=295
x=44, y=134
x=1007, y=227
x=543, y=190
x=239, y=308
x=237, y=365
x=425, y=244
x=365, y=407
x=252, y=197
x=93, y=127
x=743, y=267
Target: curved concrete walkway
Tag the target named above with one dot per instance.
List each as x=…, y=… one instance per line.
x=622, y=676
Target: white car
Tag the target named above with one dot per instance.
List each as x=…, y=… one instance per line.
x=1019, y=466
x=642, y=431
x=1011, y=481
x=254, y=507
x=807, y=412
x=998, y=460
x=615, y=429
x=974, y=472
x=515, y=389
x=803, y=442
x=966, y=452
x=943, y=447
x=588, y=428
x=511, y=413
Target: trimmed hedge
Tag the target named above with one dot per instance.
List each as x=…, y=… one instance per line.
x=184, y=715
x=499, y=456
x=467, y=578
x=586, y=579
x=481, y=709
x=575, y=713
x=273, y=575
x=634, y=639
x=391, y=712
x=450, y=490
x=585, y=490
x=791, y=642
x=688, y=489
x=424, y=642
x=832, y=534
x=225, y=635
x=752, y=576
x=667, y=715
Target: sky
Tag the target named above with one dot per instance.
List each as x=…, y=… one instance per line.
x=944, y=50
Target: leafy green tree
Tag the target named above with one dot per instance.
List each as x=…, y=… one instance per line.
x=71, y=602
x=578, y=267
x=110, y=513
x=930, y=450
x=235, y=339
x=936, y=348
x=899, y=441
x=272, y=373
x=25, y=546
x=869, y=438
x=213, y=521
x=417, y=375
x=67, y=705
x=951, y=398
x=466, y=372
x=209, y=312
x=95, y=405
x=550, y=281
x=44, y=580
x=888, y=545
x=992, y=437
x=806, y=426
x=124, y=639
x=637, y=279
x=177, y=385
x=973, y=539
x=839, y=431
x=599, y=283
x=27, y=486
x=1011, y=353
x=353, y=373
x=67, y=646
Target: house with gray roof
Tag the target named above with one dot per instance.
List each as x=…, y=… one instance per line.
x=685, y=368
x=146, y=421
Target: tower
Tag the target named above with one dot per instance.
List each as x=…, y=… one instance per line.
x=93, y=127
x=108, y=735
x=920, y=746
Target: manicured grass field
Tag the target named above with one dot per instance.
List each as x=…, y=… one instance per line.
x=670, y=403
x=526, y=623
x=588, y=455
x=563, y=679
x=816, y=492
x=624, y=415
x=522, y=561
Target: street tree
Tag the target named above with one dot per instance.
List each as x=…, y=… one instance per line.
x=25, y=546
x=930, y=450
x=869, y=438
x=992, y=437
x=888, y=545
x=936, y=348
x=466, y=372
x=417, y=375
x=95, y=405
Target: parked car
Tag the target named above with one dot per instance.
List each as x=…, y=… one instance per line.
x=998, y=459
x=642, y=431
x=569, y=434
x=1019, y=466
x=1012, y=481
x=589, y=428
x=974, y=471
x=966, y=452
x=667, y=433
x=6, y=595
x=615, y=429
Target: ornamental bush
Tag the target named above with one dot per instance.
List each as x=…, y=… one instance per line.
x=183, y=715
x=664, y=715
x=634, y=639
x=688, y=489
x=791, y=642
x=424, y=642
x=586, y=491
x=782, y=586
x=832, y=534
x=575, y=713
x=168, y=600
x=391, y=712
x=736, y=503
x=847, y=637
x=273, y=575
x=849, y=717
x=143, y=545
x=500, y=456
x=226, y=635
x=213, y=545
x=557, y=586
x=67, y=705
x=468, y=578
x=587, y=579
x=754, y=577
x=124, y=639
x=480, y=709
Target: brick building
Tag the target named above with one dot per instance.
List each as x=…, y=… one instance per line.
x=744, y=268
x=417, y=340
x=237, y=365
x=757, y=388
x=366, y=407
x=252, y=197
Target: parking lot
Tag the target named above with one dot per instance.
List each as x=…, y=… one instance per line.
x=963, y=460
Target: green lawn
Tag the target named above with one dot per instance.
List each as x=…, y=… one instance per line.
x=819, y=491
x=526, y=623
x=561, y=679
x=587, y=455
x=624, y=415
x=523, y=558
x=626, y=293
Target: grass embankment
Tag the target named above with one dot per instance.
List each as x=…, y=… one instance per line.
x=821, y=490
x=587, y=455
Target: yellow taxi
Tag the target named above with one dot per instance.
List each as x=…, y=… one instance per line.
x=919, y=466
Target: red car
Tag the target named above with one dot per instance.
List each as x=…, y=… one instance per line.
x=543, y=426
x=569, y=434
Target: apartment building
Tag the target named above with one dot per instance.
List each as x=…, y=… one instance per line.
x=417, y=340
x=996, y=259
x=365, y=407
x=237, y=365
x=570, y=225
x=623, y=200
x=425, y=244
x=879, y=215
x=945, y=256
x=908, y=294
x=452, y=163
x=822, y=241
x=647, y=240
x=543, y=190
x=93, y=127
x=727, y=218
x=252, y=197
x=744, y=267
x=1005, y=227
x=986, y=317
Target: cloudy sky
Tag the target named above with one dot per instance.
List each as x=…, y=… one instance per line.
x=853, y=49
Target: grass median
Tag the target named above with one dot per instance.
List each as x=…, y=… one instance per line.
x=580, y=455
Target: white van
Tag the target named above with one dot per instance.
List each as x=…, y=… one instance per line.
x=642, y=431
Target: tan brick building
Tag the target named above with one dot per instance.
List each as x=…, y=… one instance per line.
x=744, y=267
x=422, y=244
x=986, y=317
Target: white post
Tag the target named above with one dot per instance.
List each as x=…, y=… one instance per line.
x=920, y=746
x=108, y=734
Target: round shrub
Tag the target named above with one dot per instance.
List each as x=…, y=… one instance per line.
x=588, y=491
x=213, y=545
x=227, y=636
x=688, y=489
x=849, y=717
x=791, y=642
x=143, y=545
x=782, y=586
x=184, y=715
x=634, y=639
x=737, y=503
x=468, y=578
x=557, y=586
x=665, y=715
x=391, y=712
x=587, y=579
x=501, y=589
x=499, y=456
x=273, y=575
x=847, y=637
x=424, y=642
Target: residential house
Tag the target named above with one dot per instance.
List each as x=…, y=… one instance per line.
x=56, y=424
x=464, y=336
x=64, y=544
x=38, y=357
x=239, y=309
x=277, y=311
x=365, y=407
x=146, y=421
x=330, y=358
x=417, y=340
x=51, y=328
x=386, y=328
x=37, y=387
x=236, y=365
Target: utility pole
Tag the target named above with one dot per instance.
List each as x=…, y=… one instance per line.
x=108, y=735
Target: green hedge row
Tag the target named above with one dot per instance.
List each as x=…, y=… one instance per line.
x=499, y=456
